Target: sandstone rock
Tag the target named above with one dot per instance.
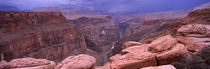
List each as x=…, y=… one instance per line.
x=133, y=63
x=4, y=64
x=30, y=63
x=142, y=31
x=173, y=55
x=162, y=44
x=130, y=43
x=194, y=29
x=77, y=62
x=132, y=60
x=135, y=49
x=161, y=67
x=163, y=50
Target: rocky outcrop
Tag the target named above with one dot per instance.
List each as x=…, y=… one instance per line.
x=193, y=30
x=99, y=33
x=46, y=35
x=161, y=67
x=130, y=44
x=161, y=51
x=143, y=31
x=77, y=62
x=28, y=63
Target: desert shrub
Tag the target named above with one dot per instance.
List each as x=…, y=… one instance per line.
x=196, y=61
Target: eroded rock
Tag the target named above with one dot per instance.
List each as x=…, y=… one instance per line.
x=77, y=62
x=161, y=67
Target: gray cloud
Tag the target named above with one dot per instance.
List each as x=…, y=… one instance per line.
x=109, y=5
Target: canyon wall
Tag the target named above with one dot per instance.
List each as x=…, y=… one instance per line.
x=46, y=35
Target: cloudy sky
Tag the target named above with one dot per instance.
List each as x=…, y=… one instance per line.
x=109, y=5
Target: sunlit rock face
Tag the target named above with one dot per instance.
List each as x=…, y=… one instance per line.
x=81, y=61
x=46, y=35
x=28, y=63
x=145, y=30
x=161, y=67
x=161, y=51
x=193, y=30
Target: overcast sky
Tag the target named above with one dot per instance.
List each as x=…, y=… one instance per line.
x=109, y=5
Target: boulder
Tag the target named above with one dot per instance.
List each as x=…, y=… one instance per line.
x=29, y=63
x=161, y=67
x=130, y=43
x=4, y=64
x=81, y=61
x=161, y=44
x=173, y=55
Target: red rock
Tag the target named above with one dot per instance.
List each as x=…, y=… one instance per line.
x=45, y=35
x=77, y=62
x=29, y=63
x=130, y=43
x=173, y=55
x=161, y=67
x=162, y=44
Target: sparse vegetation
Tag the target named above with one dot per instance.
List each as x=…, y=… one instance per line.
x=196, y=61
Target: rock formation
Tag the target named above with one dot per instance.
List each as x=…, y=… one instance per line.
x=163, y=50
x=77, y=62
x=151, y=25
x=193, y=30
x=28, y=63
x=46, y=35
x=161, y=67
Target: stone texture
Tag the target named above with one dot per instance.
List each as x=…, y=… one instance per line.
x=77, y=62
x=162, y=44
x=173, y=55
x=30, y=63
x=161, y=67
x=161, y=51
x=46, y=35
x=130, y=43
x=193, y=30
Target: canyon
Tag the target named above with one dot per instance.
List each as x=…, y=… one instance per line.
x=59, y=38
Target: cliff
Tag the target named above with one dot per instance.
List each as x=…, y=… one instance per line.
x=46, y=35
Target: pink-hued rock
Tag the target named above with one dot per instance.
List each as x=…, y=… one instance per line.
x=173, y=55
x=77, y=62
x=162, y=44
x=4, y=64
x=163, y=50
x=130, y=43
x=29, y=63
x=161, y=67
